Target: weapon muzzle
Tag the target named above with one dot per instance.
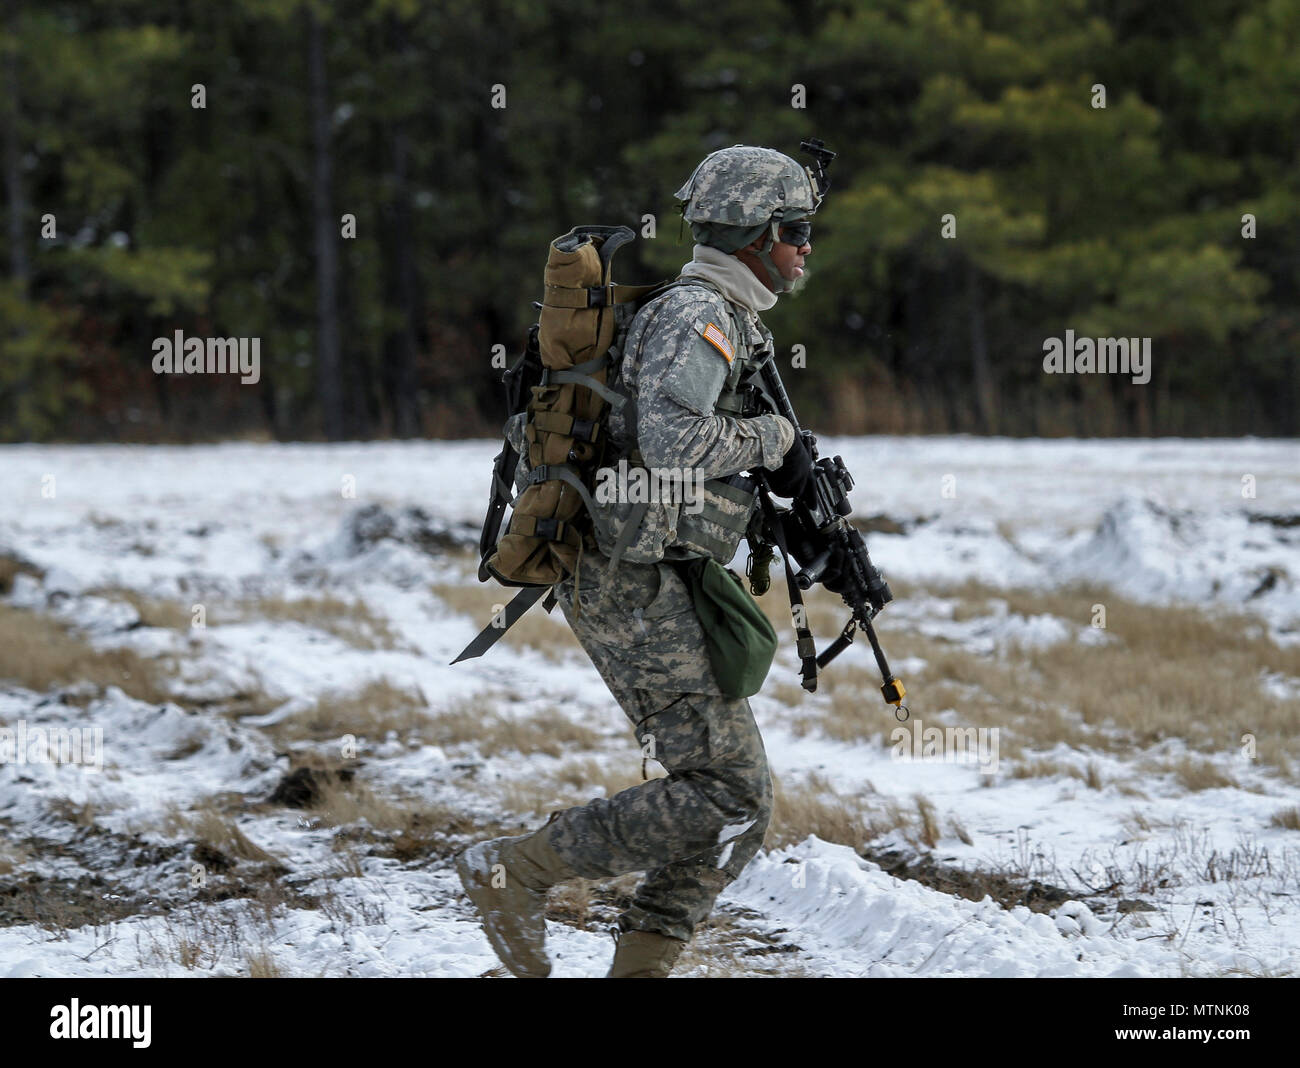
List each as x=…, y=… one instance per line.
x=814, y=571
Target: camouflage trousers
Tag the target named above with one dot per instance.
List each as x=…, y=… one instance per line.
x=693, y=832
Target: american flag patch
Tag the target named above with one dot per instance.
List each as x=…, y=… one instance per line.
x=718, y=340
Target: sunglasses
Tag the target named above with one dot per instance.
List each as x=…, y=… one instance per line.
x=796, y=233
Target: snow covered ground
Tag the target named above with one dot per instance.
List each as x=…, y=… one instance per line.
x=1208, y=884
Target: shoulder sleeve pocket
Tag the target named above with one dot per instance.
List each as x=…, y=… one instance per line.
x=717, y=337
x=695, y=378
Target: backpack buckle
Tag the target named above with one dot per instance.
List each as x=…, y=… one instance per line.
x=584, y=430
x=548, y=528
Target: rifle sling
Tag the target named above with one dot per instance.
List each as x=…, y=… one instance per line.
x=805, y=644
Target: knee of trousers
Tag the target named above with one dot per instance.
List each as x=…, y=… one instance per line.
x=740, y=794
x=765, y=803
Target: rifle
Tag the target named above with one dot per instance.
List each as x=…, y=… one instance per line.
x=816, y=533
x=519, y=379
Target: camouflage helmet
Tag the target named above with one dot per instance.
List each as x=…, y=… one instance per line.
x=747, y=186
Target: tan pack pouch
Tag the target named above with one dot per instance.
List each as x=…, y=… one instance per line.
x=565, y=425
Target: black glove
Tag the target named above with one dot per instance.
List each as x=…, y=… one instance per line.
x=791, y=478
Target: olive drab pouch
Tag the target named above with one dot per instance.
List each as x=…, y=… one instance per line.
x=582, y=312
x=740, y=639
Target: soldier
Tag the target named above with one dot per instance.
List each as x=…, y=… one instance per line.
x=684, y=359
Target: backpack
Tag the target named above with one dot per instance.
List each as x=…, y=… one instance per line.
x=564, y=382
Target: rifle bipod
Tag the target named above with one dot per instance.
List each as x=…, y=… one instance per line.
x=892, y=690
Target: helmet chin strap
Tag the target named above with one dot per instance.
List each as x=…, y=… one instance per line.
x=780, y=284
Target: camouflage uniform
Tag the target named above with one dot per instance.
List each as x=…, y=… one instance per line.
x=683, y=356
x=694, y=831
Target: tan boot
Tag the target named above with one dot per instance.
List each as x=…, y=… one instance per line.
x=644, y=955
x=507, y=879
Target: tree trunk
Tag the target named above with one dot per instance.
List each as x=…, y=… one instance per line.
x=982, y=371
x=328, y=356
x=19, y=267
x=402, y=343
x=403, y=283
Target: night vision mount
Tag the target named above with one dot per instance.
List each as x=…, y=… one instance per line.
x=822, y=156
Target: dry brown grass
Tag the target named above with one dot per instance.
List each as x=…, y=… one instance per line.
x=347, y=863
x=789, y=695
x=1089, y=774
x=1170, y=671
x=377, y=708
x=10, y=567
x=13, y=855
x=973, y=599
x=382, y=706
x=1166, y=675
x=84, y=814
x=1195, y=773
x=40, y=654
x=419, y=830
x=349, y=621
x=344, y=803
x=726, y=945
x=1045, y=768
x=207, y=826
x=575, y=782
x=927, y=821
x=1136, y=823
x=813, y=806
x=189, y=953
x=1287, y=818
x=252, y=700
x=407, y=829
x=153, y=611
x=261, y=965
x=570, y=903
x=196, y=936
x=468, y=722
x=855, y=711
